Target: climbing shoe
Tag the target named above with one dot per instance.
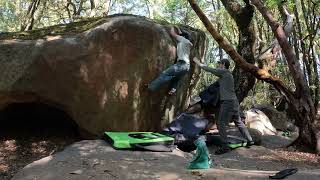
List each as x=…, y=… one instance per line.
x=246, y=144
x=249, y=143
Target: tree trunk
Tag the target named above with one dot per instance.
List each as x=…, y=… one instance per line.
x=74, y=9
x=150, y=14
x=243, y=16
x=93, y=7
x=317, y=88
x=29, y=21
x=80, y=8
x=301, y=100
x=303, y=45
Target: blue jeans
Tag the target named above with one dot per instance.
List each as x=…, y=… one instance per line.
x=173, y=73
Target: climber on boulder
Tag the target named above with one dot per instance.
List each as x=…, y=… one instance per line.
x=175, y=72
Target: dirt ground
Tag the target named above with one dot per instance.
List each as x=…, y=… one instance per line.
x=29, y=132
x=96, y=159
x=19, y=148
x=22, y=149
x=261, y=158
x=22, y=146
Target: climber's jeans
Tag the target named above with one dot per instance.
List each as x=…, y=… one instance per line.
x=229, y=110
x=174, y=74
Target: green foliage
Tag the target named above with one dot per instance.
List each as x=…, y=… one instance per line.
x=8, y=17
x=205, y=80
x=262, y=93
x=276, y=3
x=54, y=16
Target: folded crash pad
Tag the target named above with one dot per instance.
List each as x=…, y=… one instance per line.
x=185, y=129
x=140, y=141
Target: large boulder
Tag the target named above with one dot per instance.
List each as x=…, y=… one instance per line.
x=97, y=75
x=256, y=119
x=278, y=119
x=278, y=141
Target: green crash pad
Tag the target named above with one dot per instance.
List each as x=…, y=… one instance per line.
x=138, y=140
x=234, y=141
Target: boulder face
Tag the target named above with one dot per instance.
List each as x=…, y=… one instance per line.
x=256, y=119
x=278, y=119
x=97, y=76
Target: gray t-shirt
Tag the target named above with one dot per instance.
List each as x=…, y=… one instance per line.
x=183, y=49
x=226, y=82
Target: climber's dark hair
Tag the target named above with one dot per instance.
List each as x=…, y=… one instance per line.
x=185, y=35
x=226, y=63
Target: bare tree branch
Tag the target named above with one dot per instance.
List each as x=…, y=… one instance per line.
x=258, y=73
